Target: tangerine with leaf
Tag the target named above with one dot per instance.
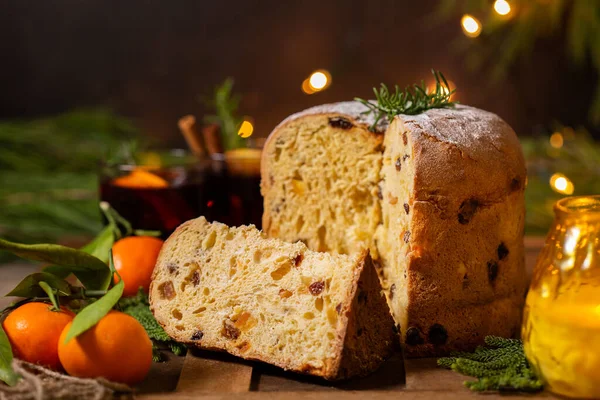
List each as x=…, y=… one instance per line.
x=33, y=330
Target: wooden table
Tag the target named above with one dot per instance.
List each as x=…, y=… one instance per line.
x=221, y=376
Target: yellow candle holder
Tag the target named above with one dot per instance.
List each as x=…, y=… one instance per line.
x=561, y=327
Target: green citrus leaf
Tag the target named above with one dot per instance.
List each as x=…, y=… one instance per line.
x=29, y=286
x=59, y=272
x=7, y=374
x=91, y=272
x=50, y=292
x=90, y=315
x=101, y=245
x=111, y=264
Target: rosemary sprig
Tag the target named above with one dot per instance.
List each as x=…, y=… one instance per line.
x=412, y=100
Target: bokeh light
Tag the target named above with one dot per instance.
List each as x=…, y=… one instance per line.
x=502, y=7
x=561, y=184
x=317, y=81
x=470, y=25
x=451, y=86
x=556, y=140
x=306, y=87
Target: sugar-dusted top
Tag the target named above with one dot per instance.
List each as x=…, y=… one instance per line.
x=353, y=109
x=465, y=152
x=477, y=120
x=489, y=148
x=460, y=125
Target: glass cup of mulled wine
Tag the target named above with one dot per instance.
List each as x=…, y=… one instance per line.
x=161, y=190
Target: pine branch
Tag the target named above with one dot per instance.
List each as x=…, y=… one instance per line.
x=138, y=308
x=501, y=343
x=502, y=366
x=48, y=184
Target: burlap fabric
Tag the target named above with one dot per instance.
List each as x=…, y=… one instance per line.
x=39, y=383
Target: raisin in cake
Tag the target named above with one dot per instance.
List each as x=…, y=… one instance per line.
x=232, y=289
x=438, y=198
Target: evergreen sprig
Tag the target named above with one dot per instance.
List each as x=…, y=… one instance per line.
x=412, y=100
x=139, y=308
x=49, y=178
x=226, y=103
x=501, y=366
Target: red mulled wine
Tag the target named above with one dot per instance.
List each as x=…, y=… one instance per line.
x=162, y=198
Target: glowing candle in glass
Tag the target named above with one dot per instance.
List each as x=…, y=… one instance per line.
x=561, y=328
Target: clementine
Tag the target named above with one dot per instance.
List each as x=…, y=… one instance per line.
x=134, y=259
x=33, y=330
x=141, y=179
x=116, y=348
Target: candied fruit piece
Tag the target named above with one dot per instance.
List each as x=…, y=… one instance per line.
x=229, y=330
x=167, y=291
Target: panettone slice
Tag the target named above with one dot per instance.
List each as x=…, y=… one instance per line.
x=234, y=290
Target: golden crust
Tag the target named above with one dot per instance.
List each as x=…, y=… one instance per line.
x=465, y=326
x=468, y=206
x=463, y=152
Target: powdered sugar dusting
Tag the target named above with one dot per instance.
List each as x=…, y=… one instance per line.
x=472, y=130
x=462, y=126
x=353, y=109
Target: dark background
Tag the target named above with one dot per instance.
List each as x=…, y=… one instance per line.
x=154, y=60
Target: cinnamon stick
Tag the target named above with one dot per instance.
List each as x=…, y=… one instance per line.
x=187, y=126
x=212, y=139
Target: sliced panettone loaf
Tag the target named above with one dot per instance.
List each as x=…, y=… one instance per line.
x=449, y=207
x=232, y=289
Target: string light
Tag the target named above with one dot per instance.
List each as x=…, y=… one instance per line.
x=471, y=26
x=556, y=140
x=317, y=81
x=246, y=129
x=502, y=7
x=561, y=184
